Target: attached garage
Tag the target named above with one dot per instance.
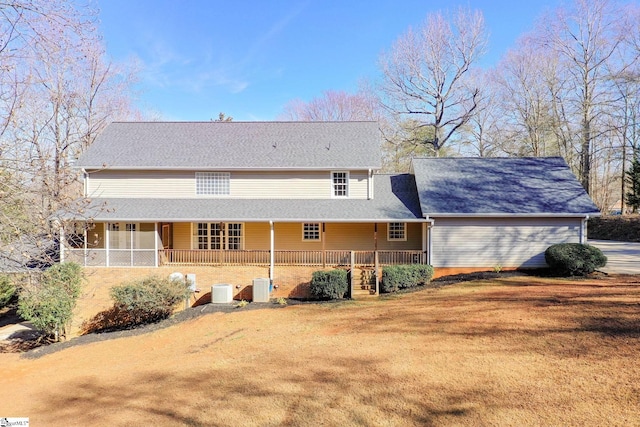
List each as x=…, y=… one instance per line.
x=489, y=242
x=488, y=212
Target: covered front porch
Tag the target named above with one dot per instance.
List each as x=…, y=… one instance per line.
x=128, y=244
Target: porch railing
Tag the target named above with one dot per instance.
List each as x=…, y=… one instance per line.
x=146, y=257
x=287, y=257
x=112, y=258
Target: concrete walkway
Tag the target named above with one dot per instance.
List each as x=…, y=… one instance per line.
x=623, y=257
x=17, y=330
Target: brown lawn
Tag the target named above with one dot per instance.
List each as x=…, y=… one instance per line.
x=516, y=351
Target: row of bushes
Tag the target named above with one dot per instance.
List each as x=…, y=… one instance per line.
x=49, y=301
x=565, y=259
x=397, y=277
x=333, y=284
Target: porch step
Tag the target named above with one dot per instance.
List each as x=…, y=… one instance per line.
x=364, y=282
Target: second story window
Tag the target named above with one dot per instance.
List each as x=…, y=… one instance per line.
x=340, y=184
x=212, y=183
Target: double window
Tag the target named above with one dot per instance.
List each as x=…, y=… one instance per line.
x=212, y=183
x=340, y=184
x=219, y=235
x=397, y=231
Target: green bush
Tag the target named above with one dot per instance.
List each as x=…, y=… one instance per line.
x=7, y=290
x=574, y=259
x=49, y=304
x=148, y=300
x=328, y=285
x=396, y=277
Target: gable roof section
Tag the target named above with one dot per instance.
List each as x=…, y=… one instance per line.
x=395, y=200
x=499, y=186
x=235, y=145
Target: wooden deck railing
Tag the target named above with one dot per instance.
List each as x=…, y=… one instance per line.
x=146, y=257
x=286, y=257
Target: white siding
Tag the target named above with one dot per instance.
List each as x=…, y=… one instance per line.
x=243, y=185
x=508, y=242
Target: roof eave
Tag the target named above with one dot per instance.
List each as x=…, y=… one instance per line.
x=510, y=215
x=91, y=168
x=295, y=220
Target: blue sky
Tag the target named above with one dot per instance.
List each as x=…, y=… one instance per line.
x=249, y=58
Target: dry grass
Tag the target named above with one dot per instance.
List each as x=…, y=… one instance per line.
x=516, y=351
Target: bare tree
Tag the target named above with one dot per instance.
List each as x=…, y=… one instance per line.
x=59, y=93
x=425, y=73
x=483, y=133
x=587, y=39
x=334, y=105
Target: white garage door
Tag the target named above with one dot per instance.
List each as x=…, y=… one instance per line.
x=508, y=242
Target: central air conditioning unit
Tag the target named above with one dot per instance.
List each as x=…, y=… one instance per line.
x=191, y=281
x=221, y=294
x=261, y=290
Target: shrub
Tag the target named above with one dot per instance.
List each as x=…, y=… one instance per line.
x=328, y=285
x=396, y=277
x=149, y=299
x=574, y=259
x=49, y=305
x=7, y=290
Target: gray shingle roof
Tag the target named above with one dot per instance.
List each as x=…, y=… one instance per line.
x=395, y=200
x=236, y=145
x=494, y=186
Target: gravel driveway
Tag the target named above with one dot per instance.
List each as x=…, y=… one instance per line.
x=624, y=257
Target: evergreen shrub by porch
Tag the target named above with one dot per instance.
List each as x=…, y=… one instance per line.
x=7, y=290
x=326, y=285
x=147, y=300
x=396, y=277
x=49, y=304
x=574, y=259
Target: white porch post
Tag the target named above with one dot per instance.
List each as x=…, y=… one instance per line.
x=106, y=244
x=425, y=255
x=353, y=264
x=61, y=243
x=430, y=242
x=84, y=233
x=271, y=251
x=377, y=268
x=155, y=243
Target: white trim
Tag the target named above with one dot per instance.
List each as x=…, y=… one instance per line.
x=254, y=220
x=62, y=243
x=272, y=246
x=106, y=242
x=155, y=243
x=511, y=215
x=93, y=168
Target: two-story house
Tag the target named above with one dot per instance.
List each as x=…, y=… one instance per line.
x=281, y=194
